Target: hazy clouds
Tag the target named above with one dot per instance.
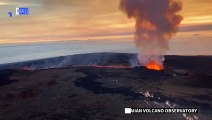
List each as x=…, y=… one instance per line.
x=56, y=20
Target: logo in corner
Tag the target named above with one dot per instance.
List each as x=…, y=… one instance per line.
x=10, y=14
x=22, y=11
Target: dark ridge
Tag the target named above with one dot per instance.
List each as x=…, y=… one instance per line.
x=106, y=59
x=150, y=73
x=78, y=59
x=201, y=64
x=5, y=77
x=200, y=81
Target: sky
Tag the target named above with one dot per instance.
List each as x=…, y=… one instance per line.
x=67, y=20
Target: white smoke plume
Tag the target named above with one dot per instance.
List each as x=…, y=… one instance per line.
x=156, y=22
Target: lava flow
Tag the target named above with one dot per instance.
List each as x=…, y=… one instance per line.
x=152, y=65
x=101, y=66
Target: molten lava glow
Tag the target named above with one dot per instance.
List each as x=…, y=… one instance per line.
x=152, y=65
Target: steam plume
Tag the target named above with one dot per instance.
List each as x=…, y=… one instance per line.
x=156, y=22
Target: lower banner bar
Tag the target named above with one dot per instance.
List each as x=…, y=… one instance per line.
x=161, y=110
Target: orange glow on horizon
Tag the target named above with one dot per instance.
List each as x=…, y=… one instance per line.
x=82, y=20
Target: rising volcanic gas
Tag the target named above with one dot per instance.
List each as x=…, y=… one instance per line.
x=156, y=22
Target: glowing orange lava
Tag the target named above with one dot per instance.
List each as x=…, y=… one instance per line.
x=152, y=65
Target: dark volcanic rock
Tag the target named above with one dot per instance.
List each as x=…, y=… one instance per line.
x=89, y=83
x=200, y=80
x=5, y=77
x=102, y=93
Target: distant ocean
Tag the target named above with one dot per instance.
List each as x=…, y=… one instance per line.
x=10, y=53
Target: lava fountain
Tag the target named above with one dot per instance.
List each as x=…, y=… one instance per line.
x=152, y=65
x=156, y=22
